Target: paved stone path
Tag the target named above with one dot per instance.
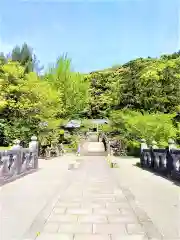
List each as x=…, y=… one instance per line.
x=92, y=208
x=159, y=197
x=22, y=200
x=93, y=202
x=93, y=148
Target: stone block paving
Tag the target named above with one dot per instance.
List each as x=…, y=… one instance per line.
x=92, y=208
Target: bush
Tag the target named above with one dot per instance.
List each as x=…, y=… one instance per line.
x=72, y=141
x=133, y=148
x=134, y=126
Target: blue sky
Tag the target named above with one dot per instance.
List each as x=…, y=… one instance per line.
x=95, y=34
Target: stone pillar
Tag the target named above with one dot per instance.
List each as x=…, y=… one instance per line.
x=33, y=148
x=143, y=144
x=171, y=144
x=17, y=156
x=16, y=145
x=154, y=145
x=172, y=164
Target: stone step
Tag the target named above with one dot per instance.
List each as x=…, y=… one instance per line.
x=93, y=153
x=93, y=149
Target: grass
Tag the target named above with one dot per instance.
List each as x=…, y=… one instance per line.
x=5, y=148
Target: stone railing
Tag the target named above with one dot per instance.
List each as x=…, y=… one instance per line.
x=18, y=161
x=165, y=161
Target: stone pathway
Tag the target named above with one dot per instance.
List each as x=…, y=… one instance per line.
x=93, y=149
x=159, y=197
x=93, y=207
x=22, y=200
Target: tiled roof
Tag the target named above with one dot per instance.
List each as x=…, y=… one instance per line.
x=77, y=123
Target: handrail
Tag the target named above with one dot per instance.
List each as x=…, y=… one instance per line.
x=162, y=160
x=18, y=161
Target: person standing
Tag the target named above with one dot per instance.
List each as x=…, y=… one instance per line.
x=104, y=142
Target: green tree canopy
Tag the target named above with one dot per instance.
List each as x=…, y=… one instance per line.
x=25, y=56
x=72, y=87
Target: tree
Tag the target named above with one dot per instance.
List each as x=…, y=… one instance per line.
x=102, y=94
x=134, y=126
x=146, y=85
x=2, y=58
x=71, y=86
x=25, y=101
x=24, y=55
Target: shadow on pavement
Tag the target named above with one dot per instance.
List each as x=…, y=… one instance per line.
x=163, y=175
x=17, y=177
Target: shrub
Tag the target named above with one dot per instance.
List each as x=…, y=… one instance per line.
x=134, y=126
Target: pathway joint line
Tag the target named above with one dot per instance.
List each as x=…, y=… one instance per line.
x=93, y=203
x=138, y=212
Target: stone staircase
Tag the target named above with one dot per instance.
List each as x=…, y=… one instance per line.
x=91, y=147
x=93, y=137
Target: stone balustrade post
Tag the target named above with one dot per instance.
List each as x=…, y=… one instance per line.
x=33, y=148
x=171, y=144
x=16, y=145
x=171, y=163
x=18, y=157
x=154, y=145
x=143, y=145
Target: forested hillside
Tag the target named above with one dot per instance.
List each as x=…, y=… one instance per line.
x=141, y=97
x=150, y=85
x=37, y=104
